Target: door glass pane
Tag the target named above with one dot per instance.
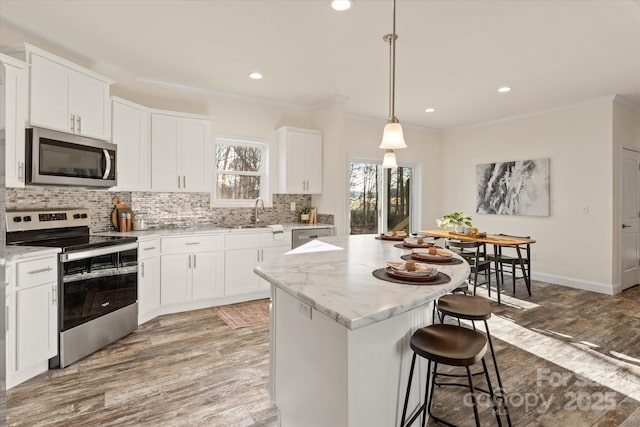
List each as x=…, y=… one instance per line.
x=398, y=191
x=364, y=198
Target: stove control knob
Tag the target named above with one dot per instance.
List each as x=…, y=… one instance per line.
x=76, y=216
x=84, y=215
x=17, y=219
x=27, y=219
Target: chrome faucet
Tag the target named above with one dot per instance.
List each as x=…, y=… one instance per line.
x=258, y=200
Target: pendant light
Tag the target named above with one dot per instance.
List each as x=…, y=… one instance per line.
x=392, y=138
x=389, y=160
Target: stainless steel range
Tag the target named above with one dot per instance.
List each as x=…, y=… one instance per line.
x=98, y=278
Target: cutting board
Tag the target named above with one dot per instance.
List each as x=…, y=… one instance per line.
x=118, y=208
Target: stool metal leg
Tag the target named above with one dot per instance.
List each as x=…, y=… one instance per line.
x=406, y=397
x=500, y=391
x=494, y=402
x=473, y=397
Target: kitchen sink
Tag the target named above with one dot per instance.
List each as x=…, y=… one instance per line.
x=241, y=227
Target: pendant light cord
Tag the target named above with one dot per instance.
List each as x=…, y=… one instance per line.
x=392, y=70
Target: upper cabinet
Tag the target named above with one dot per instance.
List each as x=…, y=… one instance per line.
x=300, y=161
x=131, y=131
x=67, y=97
x=180, y=154
x=14, y=84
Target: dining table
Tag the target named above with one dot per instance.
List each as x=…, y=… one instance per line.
x=497, y=240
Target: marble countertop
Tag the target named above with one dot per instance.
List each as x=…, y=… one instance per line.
x=17, y=253
x=334, y=276
x=206, y=229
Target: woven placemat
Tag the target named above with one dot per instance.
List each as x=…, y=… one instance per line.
x=380, y=274
x=454, y=261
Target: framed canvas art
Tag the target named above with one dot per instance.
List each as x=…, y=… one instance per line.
x=513, y=188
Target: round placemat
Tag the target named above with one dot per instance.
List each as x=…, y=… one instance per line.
x=402, y=246
x=454, y=261
x=390, y=239
x=380, y=274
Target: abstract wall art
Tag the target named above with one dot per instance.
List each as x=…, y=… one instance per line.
x=513, y=188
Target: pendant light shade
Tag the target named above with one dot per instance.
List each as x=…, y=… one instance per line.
x=392, y=137
x=389, y=160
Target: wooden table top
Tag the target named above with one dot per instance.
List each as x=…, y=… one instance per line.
x=489, y=238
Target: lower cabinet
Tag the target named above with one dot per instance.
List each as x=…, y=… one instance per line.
x=32, y=318
x=148, y=279
x=243, y=252
x=191, y=269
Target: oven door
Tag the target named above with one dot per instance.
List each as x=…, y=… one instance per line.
x=97, y=282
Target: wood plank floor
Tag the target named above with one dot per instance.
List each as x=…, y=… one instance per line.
x=191, y=369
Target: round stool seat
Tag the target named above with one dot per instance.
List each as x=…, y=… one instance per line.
x=449, y=344
x=467, y=307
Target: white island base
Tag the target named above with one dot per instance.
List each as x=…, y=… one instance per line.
x=324, y=374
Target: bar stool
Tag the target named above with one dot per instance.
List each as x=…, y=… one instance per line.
x=448, y=345
x=473, y=308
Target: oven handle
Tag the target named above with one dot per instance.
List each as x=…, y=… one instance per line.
x=107, y=169
x=73, y=256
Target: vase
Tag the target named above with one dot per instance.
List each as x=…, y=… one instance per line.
x=459, y=228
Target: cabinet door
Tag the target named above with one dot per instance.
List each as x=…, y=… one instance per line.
x=269, y=254
x=148, y=286
x=10, y=337
x=14, y=86
x=239, y=277
x=296, y=162
x=49, y=102
x=164, y=152
x=195, y=137
x=207, y=271
x=131, y=132
x=36, y=318
x=89, y=103
x=175, y=279
x=314, y=163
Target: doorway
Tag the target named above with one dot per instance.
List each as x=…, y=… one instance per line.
x=630, y=218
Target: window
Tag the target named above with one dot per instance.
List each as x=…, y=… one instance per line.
x=380, y=199
x=241, y=172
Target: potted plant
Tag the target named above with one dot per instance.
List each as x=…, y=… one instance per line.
x=456, y=219
x=304, y=214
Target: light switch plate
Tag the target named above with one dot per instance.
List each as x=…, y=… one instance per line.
x=293, y=206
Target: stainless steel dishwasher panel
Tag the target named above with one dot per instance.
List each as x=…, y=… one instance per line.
x=301, y=236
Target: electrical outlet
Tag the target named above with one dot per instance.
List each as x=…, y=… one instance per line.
x=305, y=309
x=293, y=206
x=585, y=210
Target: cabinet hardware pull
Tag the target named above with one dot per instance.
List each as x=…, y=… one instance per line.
x=179, y=181
x=105, y=304
x=184, y=181
x=149, y=248
x=79, y=124
x=54, y=294
x=73, y=123
x=192, y=243
x=142, y=269
x=189, y=261
x=21, y=171
x=194, y=261
x=41, y=270
x=625, y=226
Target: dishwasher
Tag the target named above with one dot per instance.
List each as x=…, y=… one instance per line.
x=301, y=236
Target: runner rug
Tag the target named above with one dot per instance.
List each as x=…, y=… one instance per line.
x=245, y=314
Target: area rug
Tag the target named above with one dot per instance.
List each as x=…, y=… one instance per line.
x=245, y=314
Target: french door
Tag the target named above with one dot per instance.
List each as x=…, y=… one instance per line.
x=380, y=199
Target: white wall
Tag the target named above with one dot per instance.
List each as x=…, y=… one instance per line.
x=572, y=248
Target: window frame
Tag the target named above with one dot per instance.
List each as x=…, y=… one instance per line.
x=265, y=147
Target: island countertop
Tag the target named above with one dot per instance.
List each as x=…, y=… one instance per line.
x=334, y=276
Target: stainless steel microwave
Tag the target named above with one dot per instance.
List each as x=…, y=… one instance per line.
x=57, y=158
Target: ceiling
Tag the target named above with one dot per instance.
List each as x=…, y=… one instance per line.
x=451, y=55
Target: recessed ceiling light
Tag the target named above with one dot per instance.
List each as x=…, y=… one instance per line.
x=504, y=89
x=255, y=76
x=341, y=4
x=429, y=110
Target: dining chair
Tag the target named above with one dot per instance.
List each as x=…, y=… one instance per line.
x=514, y=260
x=476, y=255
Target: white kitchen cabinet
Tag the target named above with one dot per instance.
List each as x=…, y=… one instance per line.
x=148, y=279
x=14, y=84
x=191, y=269
x=180, y=152
x=243, y=251
x=131, y=131
x=32, y=319
x=67, y=97
x=300, y=161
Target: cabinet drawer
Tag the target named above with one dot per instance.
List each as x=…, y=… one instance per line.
x=272, y=240
x=242, y=240
x=36, y=272
x=192, y=244
x=149, y=249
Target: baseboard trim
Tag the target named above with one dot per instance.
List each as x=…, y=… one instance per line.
x=585, y=285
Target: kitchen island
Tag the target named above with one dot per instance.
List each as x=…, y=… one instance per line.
x=339, y=344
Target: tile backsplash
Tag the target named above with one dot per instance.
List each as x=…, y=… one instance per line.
x=161, y=209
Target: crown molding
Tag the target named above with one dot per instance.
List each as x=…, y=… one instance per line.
x=601, y=100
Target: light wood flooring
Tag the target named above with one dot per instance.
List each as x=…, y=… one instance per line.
x=191, y=369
